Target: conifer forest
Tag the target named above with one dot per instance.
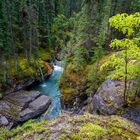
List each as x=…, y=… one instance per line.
x=69, y=69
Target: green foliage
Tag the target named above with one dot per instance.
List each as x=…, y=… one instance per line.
x=125, y=64
x=130, y=52
x=21, y=132
x=1, y=95
x=27, y=28
x=81, y=127
x=89, y=131
x=61, y=30
x=80, y=57
x=125, y=23
x=116, y=68
x=135, y=5
x=46, y=55
x=95, y=77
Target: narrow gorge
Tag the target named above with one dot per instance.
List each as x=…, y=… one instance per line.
x=70, y=70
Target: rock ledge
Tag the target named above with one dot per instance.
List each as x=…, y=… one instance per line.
x=20, y=106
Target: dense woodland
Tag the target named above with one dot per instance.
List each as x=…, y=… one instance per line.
x=30, y=27
x=98, y=43
x=27, y=30
x=92, y=58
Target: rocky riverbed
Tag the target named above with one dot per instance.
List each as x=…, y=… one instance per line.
x=20, y=106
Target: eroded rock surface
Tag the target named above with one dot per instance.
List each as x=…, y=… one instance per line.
x=109, y=98
x=3, y=120
x=77, y=127
x=132, y=114
x=21, y=106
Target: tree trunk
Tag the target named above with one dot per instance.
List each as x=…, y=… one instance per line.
x=125, y=78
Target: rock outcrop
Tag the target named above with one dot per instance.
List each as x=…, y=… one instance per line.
x=77, y=127
x=3, y=120
x=132, y=113
x=27, y=80
x=109, y=98
x=23, y=105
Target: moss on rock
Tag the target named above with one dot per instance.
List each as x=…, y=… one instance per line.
x=26, y=73
x=84, y=127
x=81, y=83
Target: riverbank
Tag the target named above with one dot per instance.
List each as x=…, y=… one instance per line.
x=26, y=74
x=18, y=105
x=21, y=106
x=41, y=97
x=49, y=87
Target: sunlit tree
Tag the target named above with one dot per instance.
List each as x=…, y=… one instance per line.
x=125, y=63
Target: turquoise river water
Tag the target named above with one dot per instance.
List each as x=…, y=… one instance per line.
x=49, y=87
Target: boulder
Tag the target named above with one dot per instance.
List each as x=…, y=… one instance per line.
x=35, y=108
x=40, y=103
x=109, y=98
x=26, y=114
x=21, y=106
x=3, y=120
x=22, y=98
x=132, y=113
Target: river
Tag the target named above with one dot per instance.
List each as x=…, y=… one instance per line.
x=49, y=87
